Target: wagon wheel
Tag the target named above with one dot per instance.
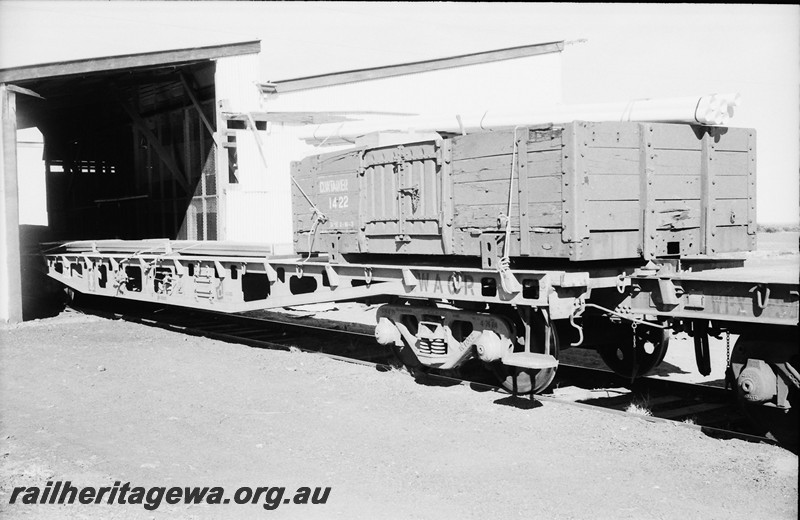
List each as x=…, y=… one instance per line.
x=778, y=424
x=524, y=381
x=629, y=362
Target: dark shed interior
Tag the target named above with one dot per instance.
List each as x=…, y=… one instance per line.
x=127, y=153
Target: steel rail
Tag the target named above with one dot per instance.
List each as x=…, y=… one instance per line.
x=202, y=328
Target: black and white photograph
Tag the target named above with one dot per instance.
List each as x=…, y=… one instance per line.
x=399, y=260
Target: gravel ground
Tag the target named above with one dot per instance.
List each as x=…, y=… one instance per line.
x=95, y=401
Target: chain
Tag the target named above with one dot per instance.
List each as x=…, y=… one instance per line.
x=728, y=348
x=728, y=360
x=633, y=351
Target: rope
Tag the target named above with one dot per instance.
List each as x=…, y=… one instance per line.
x=312, y=234
x=505, y=261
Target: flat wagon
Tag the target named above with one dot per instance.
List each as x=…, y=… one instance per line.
x=500, y=249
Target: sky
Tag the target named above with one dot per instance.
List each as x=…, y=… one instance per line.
x=615, y=52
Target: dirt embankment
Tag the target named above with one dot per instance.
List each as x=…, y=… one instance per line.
x=96, y=401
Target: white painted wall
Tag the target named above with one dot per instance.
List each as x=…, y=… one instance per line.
x=244, y=208
x=31, y=181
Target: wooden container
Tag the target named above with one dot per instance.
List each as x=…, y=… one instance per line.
x=578, y=191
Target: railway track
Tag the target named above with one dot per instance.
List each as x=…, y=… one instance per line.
x=710, y=410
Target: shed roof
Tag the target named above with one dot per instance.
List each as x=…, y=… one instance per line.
x=127, y=61
x=351, y=76
x=50, y=39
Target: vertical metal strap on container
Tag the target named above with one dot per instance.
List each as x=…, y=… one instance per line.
x=573, y=229
x=522, y=189
x=707, y=182
x=505, y=261
x=446, y=218
x=646, y=191
x=508, y=281
x=361, y=235
x=751, y=187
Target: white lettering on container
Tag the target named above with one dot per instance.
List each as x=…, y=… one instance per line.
x=333, y=186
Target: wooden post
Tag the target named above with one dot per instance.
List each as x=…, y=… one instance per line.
x=221, y=156
x=199, y=109
x=10, y=272
x=163, y=153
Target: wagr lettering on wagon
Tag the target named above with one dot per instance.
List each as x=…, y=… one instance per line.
x=455, y=284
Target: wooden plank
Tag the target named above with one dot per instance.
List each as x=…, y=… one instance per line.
x=483, y=216
x=613, y=135
x=499, y=166
x=731, y=187
x=612, y=187
x=613, y=161
x=731, y=163
x=545, y=189
x=735, y=238
x=540, y=189
x=544, y=139
x=545, y=214
x=676, y=187
x=730, y=212
x=603, y=245
x=482, y=145
x=544, y=163
x=677, y=136
x=732, y=139
x=338, y=162
x=541, y=214
x=625, y=215
x=482, y=169
x=613, y=215
x=23, y=90
x=677, y=214
x=676, y=162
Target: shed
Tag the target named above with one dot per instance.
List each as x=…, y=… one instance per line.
x=131, y=146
